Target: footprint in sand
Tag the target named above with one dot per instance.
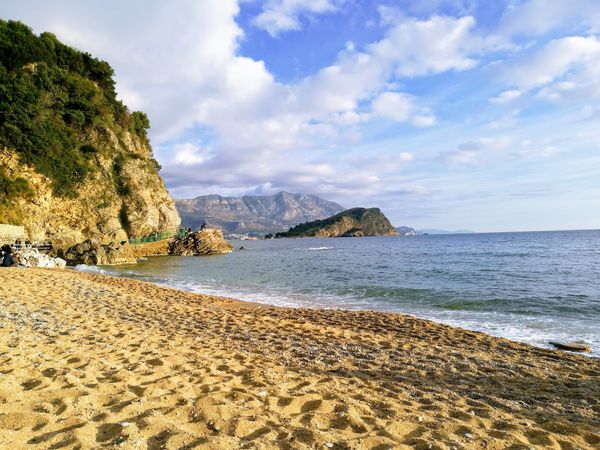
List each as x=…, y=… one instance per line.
x=30, y=384
x=137, y=390
x=49, y=373
x=109, y=431
x=311, y=405
x=155, y=362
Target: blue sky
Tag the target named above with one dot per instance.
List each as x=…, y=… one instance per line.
x=444, y=113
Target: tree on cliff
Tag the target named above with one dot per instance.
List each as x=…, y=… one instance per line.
x=56, y=105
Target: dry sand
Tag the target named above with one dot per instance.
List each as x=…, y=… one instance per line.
x=88, y=361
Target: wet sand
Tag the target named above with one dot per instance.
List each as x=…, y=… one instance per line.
x=89, y=361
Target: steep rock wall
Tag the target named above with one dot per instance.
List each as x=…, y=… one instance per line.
x=110, y=206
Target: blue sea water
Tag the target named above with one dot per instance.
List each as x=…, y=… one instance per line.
x=532, y=287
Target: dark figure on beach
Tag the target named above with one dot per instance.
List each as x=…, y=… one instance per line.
x=188, y=231
x=203, y=226
x=7, y=260
x=18, y=244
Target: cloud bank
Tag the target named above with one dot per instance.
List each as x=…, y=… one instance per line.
x=386, y=121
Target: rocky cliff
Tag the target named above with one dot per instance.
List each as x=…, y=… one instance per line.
x=355, y=222
x=99, y=210
x=257, y=213
x=75, y=163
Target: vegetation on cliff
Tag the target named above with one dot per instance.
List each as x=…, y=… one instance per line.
x=11, y=189
x=56, y=107
x=75, y=164
x=349, y=223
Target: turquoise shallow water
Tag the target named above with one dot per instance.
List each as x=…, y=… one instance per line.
x=532, y=287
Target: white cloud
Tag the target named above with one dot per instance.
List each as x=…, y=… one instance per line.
x=556, y=59
x=400, y=107
x=486, y=144
x=476, y=150
x=423, y=121
x=536, y=17
x=506, y=97
x=168, y=59
x=461, y=157
x=507, y=120
x=181, y=64
x=187, y=154
x=419, y=47
x=555, y=91
x=384, y=163
x=539, y=152
x=284, y=15
x=394, y=105
x=425, y=8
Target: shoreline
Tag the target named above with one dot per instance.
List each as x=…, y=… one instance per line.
x=153, y=366
x=270, y=299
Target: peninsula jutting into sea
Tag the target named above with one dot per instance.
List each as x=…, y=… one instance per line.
x=300, y=293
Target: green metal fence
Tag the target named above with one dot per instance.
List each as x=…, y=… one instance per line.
x=156, y=237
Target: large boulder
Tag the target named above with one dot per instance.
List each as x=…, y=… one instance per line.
x=203, y=242
x=31, y=257
x=92, y=252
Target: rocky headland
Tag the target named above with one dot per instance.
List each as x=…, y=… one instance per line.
x=355, y=222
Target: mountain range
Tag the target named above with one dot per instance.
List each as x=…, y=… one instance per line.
x=254, y=214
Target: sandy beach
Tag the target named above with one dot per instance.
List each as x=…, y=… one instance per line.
x=89, y=361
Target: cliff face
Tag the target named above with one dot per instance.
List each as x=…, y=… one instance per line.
x=355, y=222
x=99, y=211
x=265, y=213
x=75, y=163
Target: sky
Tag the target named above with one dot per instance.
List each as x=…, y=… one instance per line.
x=452, y=114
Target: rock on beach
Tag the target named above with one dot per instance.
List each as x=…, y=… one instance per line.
x=92, y=252
x=32, y=257
x=203, y=242
x=576, y=346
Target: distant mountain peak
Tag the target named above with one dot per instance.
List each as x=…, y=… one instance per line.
x=258, y=214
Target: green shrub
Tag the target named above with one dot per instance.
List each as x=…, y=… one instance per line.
x=122, y=188
x=88, y=149
x=10, y=191
x=53, y=99
x=140, y=122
